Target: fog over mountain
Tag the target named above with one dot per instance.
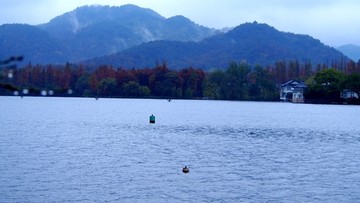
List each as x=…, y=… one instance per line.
x=252, y=42
x=92, y=31
x=131, y=36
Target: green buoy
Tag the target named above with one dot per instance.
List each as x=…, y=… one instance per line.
x=152, y=119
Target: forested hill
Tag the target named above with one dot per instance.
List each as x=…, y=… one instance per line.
x=131, y=36
x=253, y=42
x=92, y=31
x=35, y=44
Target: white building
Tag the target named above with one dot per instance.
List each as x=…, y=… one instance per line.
x=348, y=94
x=293, y=91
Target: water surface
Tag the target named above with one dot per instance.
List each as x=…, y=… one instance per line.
x=87, y=150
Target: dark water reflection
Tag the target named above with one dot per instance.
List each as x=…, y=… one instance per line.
x=71, y=150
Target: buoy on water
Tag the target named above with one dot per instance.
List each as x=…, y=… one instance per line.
x=152, y=119
x=185, y=169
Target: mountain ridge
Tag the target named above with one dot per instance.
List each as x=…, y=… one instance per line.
x=254, y=42
x=133, y=36
x=351, y=50
x=91, y=31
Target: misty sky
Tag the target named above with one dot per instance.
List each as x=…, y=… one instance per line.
x=334, y=22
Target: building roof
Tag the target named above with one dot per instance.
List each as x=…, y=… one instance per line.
x=295, y=84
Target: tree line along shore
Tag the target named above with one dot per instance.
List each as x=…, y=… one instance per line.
x=239, y=81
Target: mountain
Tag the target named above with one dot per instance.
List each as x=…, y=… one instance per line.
x=36, y=44
x=98, y=30
x=131, y=36
x=351, y=50
x=91, y=31
x=256, y=43
x=71, y=23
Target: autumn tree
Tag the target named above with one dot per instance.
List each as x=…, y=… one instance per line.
x=192, y=82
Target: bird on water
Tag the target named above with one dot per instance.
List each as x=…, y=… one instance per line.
x=185, y=169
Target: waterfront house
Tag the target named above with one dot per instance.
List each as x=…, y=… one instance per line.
x=293, y=91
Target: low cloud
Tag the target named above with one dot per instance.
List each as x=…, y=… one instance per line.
x=332, y=21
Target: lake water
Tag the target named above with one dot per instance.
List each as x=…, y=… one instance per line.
x=87, y=150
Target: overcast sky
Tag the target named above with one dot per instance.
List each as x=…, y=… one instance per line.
x=334, y=22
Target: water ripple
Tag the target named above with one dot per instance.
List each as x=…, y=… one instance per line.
x=73, y=157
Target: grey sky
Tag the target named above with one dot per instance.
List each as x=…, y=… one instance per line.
x=334, y=22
